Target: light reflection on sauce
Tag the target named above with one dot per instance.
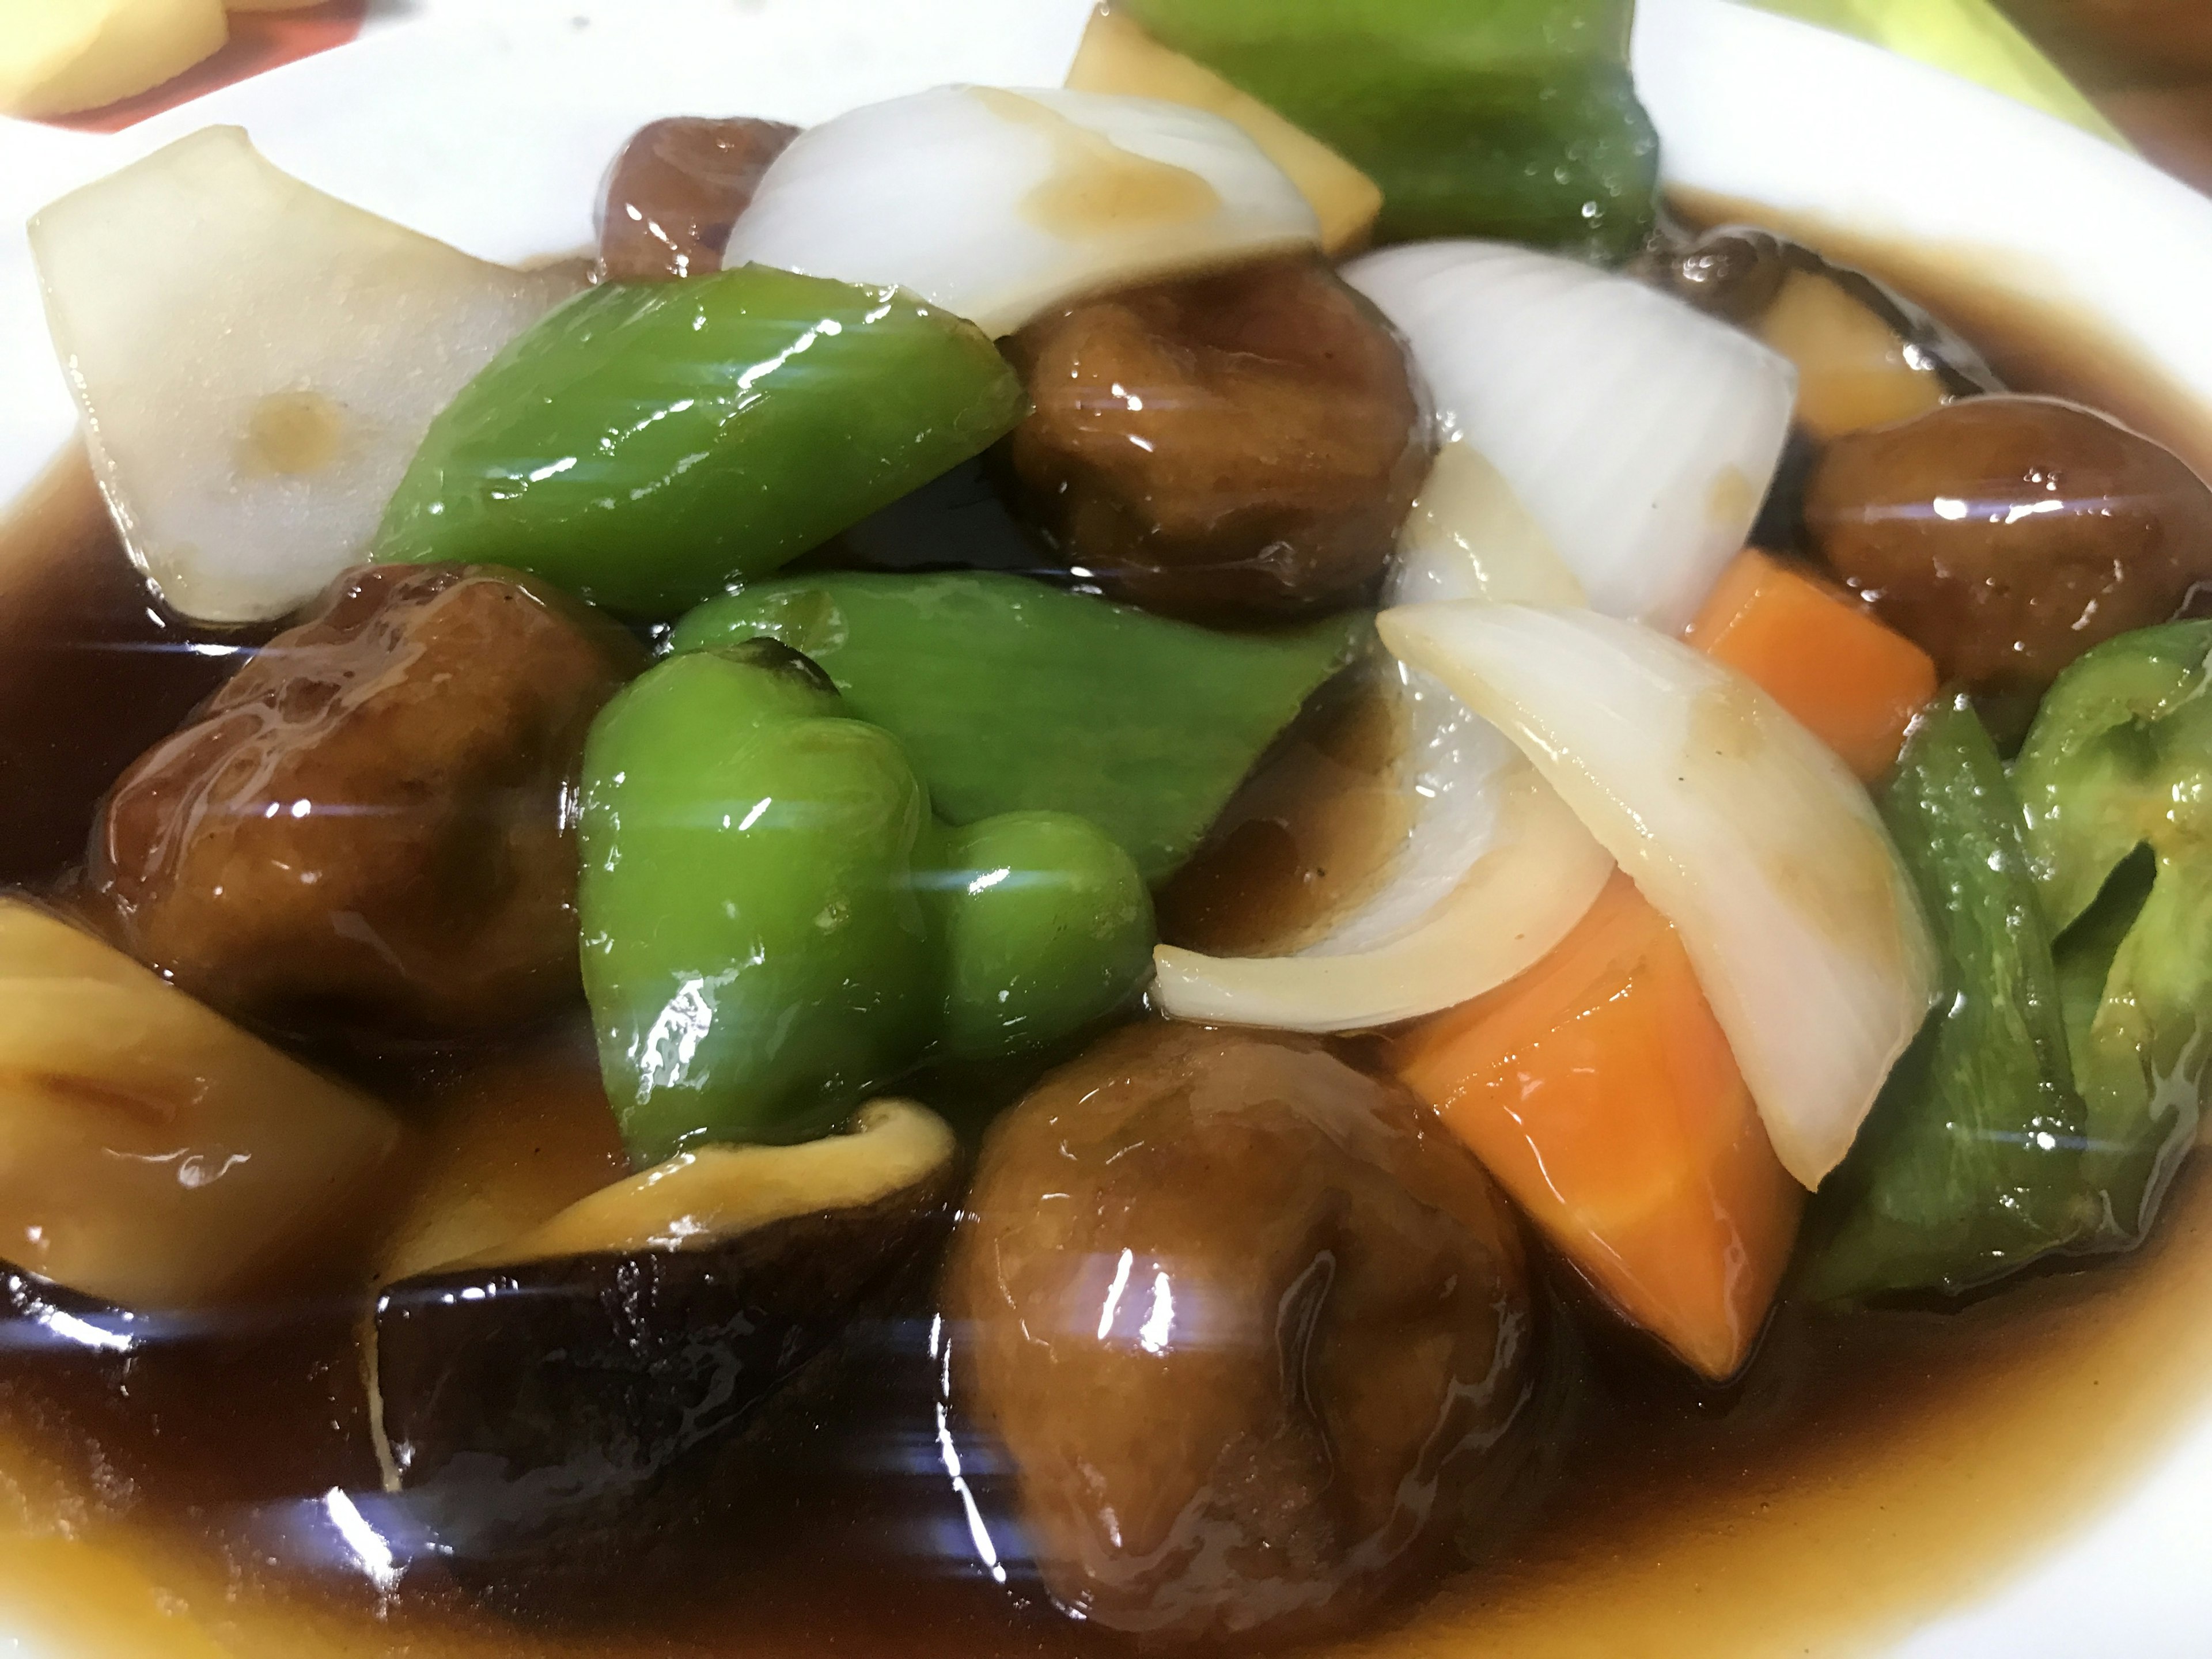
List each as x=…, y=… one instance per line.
x=1097, y=188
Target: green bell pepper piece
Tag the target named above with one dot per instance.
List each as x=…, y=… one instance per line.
x=2120, y=763
x=644, y=446
x=775, y=926
x=1971, y=1163
x=1510, y=118
x=1009, y=695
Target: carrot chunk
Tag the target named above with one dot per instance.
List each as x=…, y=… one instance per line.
x=1600, y=1091
x=1849, y=678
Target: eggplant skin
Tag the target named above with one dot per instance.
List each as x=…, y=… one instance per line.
x=209, y=1407
x=530, y=1409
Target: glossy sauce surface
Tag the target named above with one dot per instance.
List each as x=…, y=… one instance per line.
x=1868, y=1472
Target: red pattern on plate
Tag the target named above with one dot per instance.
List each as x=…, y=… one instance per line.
x=260, y=41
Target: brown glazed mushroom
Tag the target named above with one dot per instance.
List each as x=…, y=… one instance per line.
x=1247, y=1321
x=674, y=192
x=1245, y=445
x=2007, y=536
x=369, y=826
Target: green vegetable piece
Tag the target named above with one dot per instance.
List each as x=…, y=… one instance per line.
x=1011, y=696
x=1511, y=118
x=2119, y=761
x=644, y=446
x=1047, y=924
x=1971, y=1163
x=775, y=928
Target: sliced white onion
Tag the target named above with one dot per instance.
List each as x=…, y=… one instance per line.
x=1743, y=830
x=256, y=363
x=1517, y=900
x=1453, y=770
x=999, y=205
x=1471, y=537
x=1640, y=434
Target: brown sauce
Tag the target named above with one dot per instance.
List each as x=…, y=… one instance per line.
x=1095, y=185
x=2030, y=334
x=1870, y=1470
x=92, y=669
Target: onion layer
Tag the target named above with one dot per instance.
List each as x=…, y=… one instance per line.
x=1000, y=206
x=1515, y=903
x=1641, y=435
x=1470, y=536
x=1738, y=825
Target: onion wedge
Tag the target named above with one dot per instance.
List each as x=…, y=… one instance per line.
x=1517, y=900
x=1641, y=435
x=1737, y=825
x=257, y=363
x=1000, y=206
x=1470, y=536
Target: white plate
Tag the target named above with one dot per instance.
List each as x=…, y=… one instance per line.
x=488, y=125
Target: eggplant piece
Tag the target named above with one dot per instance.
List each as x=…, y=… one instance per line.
x=529, y=1400
x=205, y=1407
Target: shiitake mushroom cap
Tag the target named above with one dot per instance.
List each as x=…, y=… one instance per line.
x=530, y=1399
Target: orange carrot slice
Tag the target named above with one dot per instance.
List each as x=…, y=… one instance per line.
x=1849, y=678
x=1599, y=1090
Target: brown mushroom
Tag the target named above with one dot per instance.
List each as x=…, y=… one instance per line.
x=1239, y=445
x=678, y=187
x=1247, y=1321
x=2008, y=535
x=369, y=825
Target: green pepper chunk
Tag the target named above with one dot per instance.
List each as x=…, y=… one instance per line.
x=1510, y=118
x=1972, y=1164
x=2117, y=779
x=775, y=926
x=1011, y=696
x=644, y=446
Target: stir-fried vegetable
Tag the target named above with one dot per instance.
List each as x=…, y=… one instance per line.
x=2120, y=761
x=153, y=1155
x=2007, y=536
x=1000, y=206
x=648, y=443
x=1518, y=871
x=56, y=59
x=1471, y=537
x=1746, y=834
x=1599, y=1090
x=982, y=678
x=1119, y=57
x=256, y=362
x=1640, y=435
x=1822, y=654
x=1494, y=118
x=774, y=925
x=1972, y=1163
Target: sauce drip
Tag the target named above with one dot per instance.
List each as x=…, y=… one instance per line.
x=1096, y=187
x=293, y=433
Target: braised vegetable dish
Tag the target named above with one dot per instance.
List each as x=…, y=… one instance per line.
x=1073, y=865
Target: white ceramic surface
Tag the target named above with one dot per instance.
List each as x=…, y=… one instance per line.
x=489, y=123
